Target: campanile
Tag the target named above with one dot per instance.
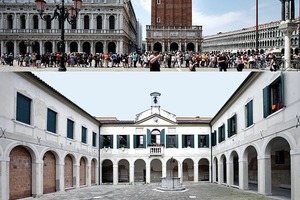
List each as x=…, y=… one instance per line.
x=171, y=13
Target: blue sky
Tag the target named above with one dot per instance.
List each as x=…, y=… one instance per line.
x=220, y=15
x=123, y=95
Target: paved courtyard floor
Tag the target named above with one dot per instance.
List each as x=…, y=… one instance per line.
x=201, y=191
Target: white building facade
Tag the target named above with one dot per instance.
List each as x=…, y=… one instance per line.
x=255, y=136
x=102, y=26
x=47, y=143
x=271, y=38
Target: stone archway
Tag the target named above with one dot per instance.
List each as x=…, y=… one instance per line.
x=68, y=169
x=49, y=173
x=20, y=173
x=251, y=176
x=73, y=47
x=223, y=164
x=107, y=171
x=86, y=48
x=99, y=47
x=156, y=171
x=139, y=171
x=157, y=47
x=190, y=47
x=93, y=171
x=215, y=170
x=172, y=168
x=111, y=47
x=48, y=47
x=188, y=170
x=203, y=170
x=123, y=169
x=174, y=47
x=82, y=171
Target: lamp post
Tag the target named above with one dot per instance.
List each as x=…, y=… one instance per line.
x=62, y=14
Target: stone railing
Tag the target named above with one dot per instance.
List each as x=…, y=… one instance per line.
x=156, y=151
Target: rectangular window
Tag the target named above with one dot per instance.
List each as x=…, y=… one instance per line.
x=249, y=114
x=70, y=129
x=158, y=1
x=221, y=131
x=139, y=141
x=123, y=141
x=231, y=124
x=51, y=120
x=83, y=135
x=94, y=142
x=158, y=20
x=213, y=138
x=188, y=141
x=203, y=141
x=172, y=141
x=273, y=97
x=106, y=141
x=23, y=109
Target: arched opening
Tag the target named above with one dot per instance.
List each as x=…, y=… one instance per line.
x=49, y=173
x=68, y=171
x=190, y=47
x=10, y=47
x=215, y=170
x=22, y=22
x=36, y=47
x=139, y=171
x=262, y=51
x=107, y=171
x=20, y=173
x=48, y=47
x=35, y=20
x=111, y=47
x=93, y=172
x=188, y=170
x=22, y=48
x=48, y=22
x=278, y=168
x=82, y=171
x=235, y=168
x=203, y=170
x=172, y=168
x=99, y=47
x=297, y=51
x=99, y=22
x=86, y=22
x=157, y=47
x=9, y=22
x=223, y=163
x=252, y=175
x=73, y=47
x=123, y=169
x=174, y=47
x=86, y=48
x=156, y=171
x=111, y=23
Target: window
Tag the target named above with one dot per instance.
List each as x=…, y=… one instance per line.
x=35, y=22
x=86, y=22
x=23, y=108
x=213, y=138
x=83, y=135
x=231, y=123
x=51, y=121
x=48, y=23
x=9, y=22
x=158, y=20
x=99, y=22
x=155, y=137
x=172, y=141
x=94, y=139
x=221, y=131
x=70, y=129
x=249, y=113
x=187, y=141
x=273, y=97
x=158, y=1
x=106, y=141
x=22, y=22
x=203, y=141
x=111, y=23
x=139, y=141
x=123, y=141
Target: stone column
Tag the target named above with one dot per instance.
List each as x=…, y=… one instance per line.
x=164, y=170
x=295, y=174
x=92, y=22
x=37, y=180
x=220, y=173
x=28, y=27
x=115, y=175
x=4, y=178
x=180, y=171
x=243, y=174
x=105, y=23
x=230, y=173
x=264, y=175
x=2, y=47
x=214, y=172
x=15, y=48
x=15, y=21
x=196, y=173
x=76, y=175
x=60, y=176
x=131, y=173
x=41, y=47
x=88, y=175
x=148, y=173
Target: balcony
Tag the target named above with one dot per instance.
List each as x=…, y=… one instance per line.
x=156, y=151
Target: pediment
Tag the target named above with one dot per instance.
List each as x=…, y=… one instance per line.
x=156, y=120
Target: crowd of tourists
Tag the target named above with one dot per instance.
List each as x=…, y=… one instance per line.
x=174, y=59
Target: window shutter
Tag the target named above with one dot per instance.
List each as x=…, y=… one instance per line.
x=162, y=136
x=220, y=134
x=229, y=127
x=266, y=101
x=251, y=112
x=183, y=141
x=192, y=141
x=128, y=141
x=282, y=92
x=176, y=141
x=111, y=141
x=118, y=139
x=199, y=141
x=148, y=136
x=134, y=141
x=167, y=141
x=207, y=141
x=101, y=142
x=144, y=141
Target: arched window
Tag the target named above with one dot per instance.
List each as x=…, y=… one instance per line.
x=99, y=22
x=111, y=23
x=22, y=22
x=86, y=22
x=9, y=22
x=48, y=23
x=35, y=22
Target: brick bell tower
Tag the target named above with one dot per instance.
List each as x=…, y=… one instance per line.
x=171, y=13
x=171, y=27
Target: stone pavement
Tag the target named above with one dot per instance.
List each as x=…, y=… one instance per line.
x=203, y=191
